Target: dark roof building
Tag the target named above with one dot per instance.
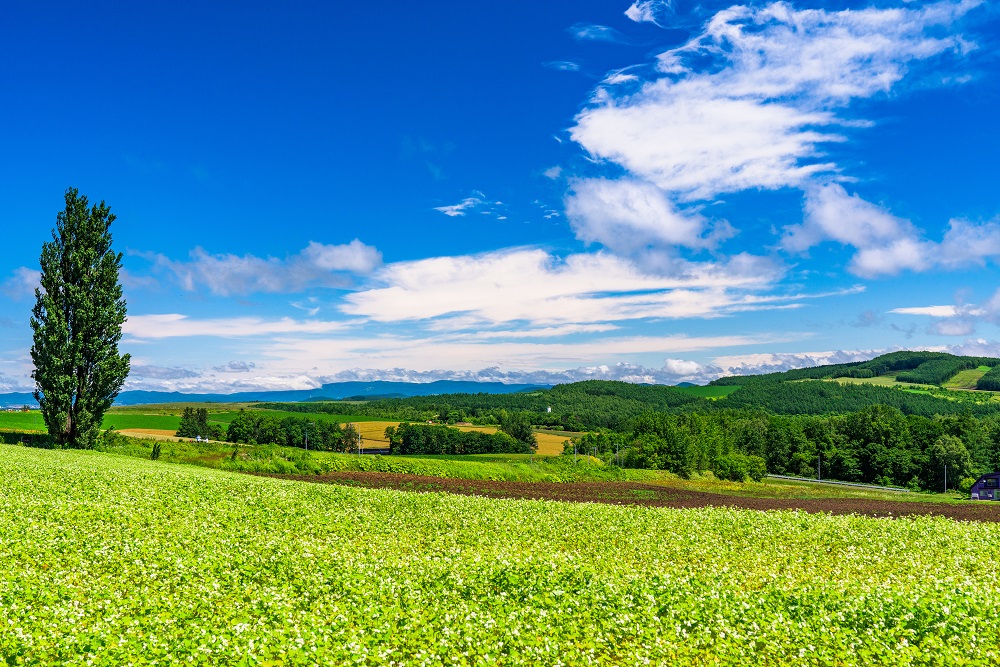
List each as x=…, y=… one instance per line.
x=986, y=487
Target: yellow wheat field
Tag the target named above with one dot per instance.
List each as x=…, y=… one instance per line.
x=373, y=433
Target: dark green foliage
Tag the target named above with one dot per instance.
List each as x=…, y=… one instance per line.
x=578, y=406
x=155, y=454
x=76, y=324
x=822, y=397
x=738, y=467
x=259, y=428
x=194, y=423
x=990, y=381
x=518, y=426
x=886, y=363
x=426, y=439
x=937, y=371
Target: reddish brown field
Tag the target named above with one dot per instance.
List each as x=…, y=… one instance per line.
x=635, y=493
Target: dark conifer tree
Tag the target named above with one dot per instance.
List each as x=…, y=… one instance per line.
x=77, y=324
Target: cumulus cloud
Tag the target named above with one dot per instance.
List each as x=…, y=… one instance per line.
x=533, y=286
x=627, y=216
x=672, y=372
x=886, y=244
x=749, y=101
x=317, y=265
x=224, y=385
x=775, y=362
x=21, y=284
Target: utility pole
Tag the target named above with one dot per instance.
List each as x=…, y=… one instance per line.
x=946, y=478
x=307, y=436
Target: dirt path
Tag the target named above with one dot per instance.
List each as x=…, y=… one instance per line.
x=635, y=493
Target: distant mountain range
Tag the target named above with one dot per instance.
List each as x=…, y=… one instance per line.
x=332, y=391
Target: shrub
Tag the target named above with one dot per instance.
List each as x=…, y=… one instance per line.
x=965, y=485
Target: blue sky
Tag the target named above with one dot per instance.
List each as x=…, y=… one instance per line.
x=657, y=192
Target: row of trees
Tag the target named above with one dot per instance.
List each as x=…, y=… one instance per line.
x=194, y=424
x=426, y=439
x=877, y=444
x=259, y=428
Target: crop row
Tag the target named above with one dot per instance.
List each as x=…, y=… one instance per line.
x=108, y=560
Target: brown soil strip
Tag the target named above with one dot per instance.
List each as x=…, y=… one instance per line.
x=653, y=495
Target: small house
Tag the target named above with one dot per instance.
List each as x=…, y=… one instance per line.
x=987, y=487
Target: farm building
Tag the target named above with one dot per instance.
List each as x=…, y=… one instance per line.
x=987, y=487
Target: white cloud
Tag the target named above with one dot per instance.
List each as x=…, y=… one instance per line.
x=562, y=65
x=628, y=216
x=886, y=244
x=959, y=326
x=174, y=325
x=930, y=311
x=460, y=208
x=647, y=11
x=467, y=351
x=619, y=77
x=775, y=362
x=21, y=285
x=956, y=320
x=317, y=265
x=552, y=172
x=160, y=372
x=530, y=285
x=749, y=101
x=966, y=243
x=224, y=385
x=595, y=33
x=236, y=367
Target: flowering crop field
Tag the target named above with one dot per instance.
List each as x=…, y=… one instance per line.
x=109, y=560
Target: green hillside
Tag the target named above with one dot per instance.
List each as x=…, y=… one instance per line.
x=113, y=561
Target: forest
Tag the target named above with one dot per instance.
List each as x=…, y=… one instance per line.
x=798, y=422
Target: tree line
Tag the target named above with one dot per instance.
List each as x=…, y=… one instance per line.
x=877, y=444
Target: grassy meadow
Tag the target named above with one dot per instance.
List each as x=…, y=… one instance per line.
x=109, y=560
x=966, y=379
x=162, y=421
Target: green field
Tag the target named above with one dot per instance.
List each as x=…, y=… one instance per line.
x=966, y=379
x=888, y=380
x=709, y=391
x=109, y=561
x=166, y=418
x=29, y=422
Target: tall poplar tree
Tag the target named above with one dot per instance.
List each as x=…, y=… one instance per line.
x=77, y=324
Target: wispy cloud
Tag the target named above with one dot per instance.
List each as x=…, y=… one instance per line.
x=461, y=207
x=648, y=11
x=595, y=33
x=317, y=265
x=531, y=287
x=236, y=367
x=161, y=373
x=748, y=103
x=21, y=284
x=562, y=65
x=174, y=325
